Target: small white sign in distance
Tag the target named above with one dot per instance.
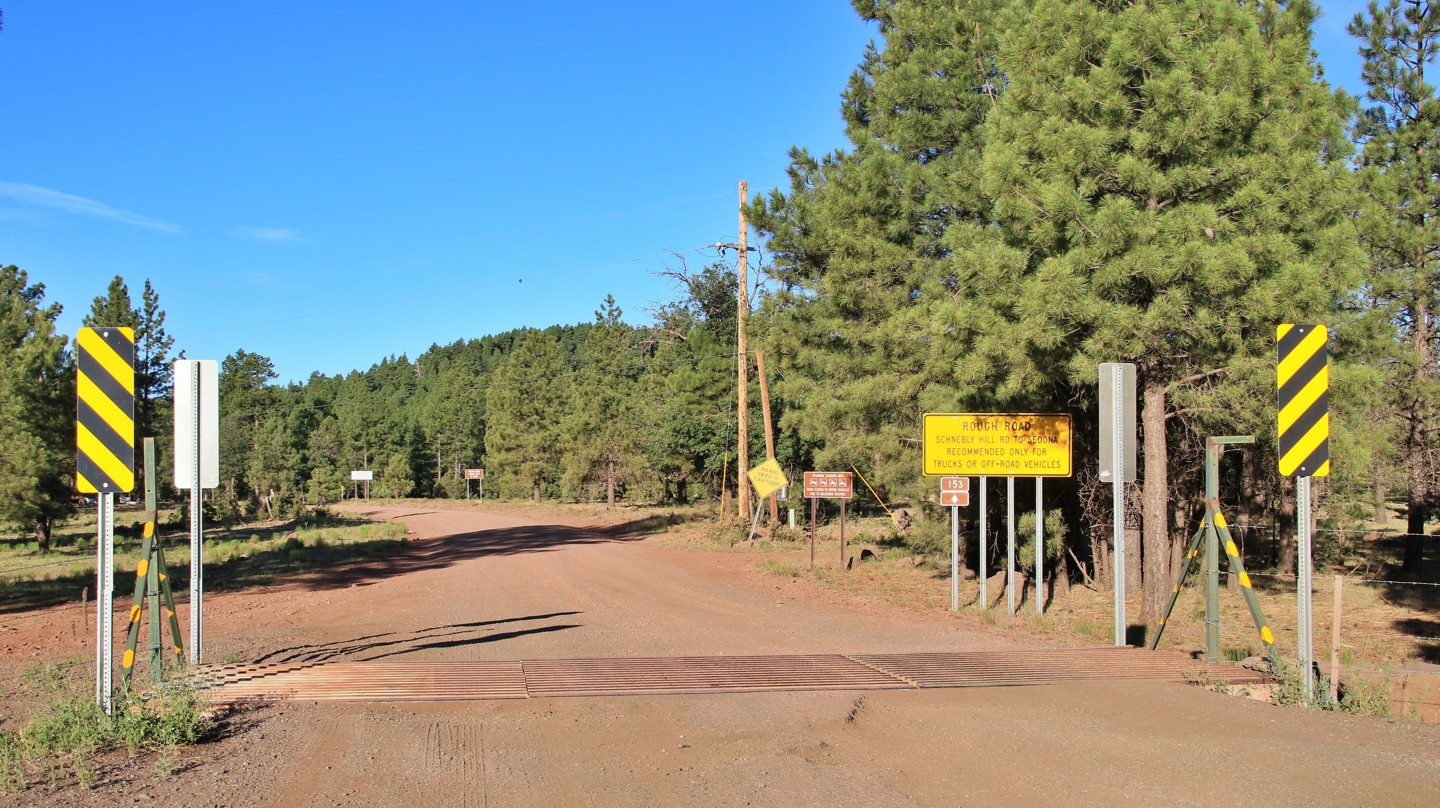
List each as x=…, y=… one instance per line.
x=359, y=476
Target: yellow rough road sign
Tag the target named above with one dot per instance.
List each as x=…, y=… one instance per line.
x=996, y=445
x=105, y=411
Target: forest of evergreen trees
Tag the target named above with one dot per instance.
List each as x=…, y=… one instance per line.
x=1033, y=187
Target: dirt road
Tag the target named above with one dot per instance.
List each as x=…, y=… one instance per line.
x=482, y=586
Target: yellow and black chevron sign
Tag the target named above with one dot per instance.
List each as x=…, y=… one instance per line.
x=105, y=422
x=1303, y=380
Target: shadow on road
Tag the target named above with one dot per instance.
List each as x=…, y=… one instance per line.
x=396, y=643
x=438, y=553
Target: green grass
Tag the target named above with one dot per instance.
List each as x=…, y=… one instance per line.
x=245, y=556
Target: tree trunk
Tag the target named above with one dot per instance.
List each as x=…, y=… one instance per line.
x=42, y=533
x=1100, y=560
x=610, y=484
x=537, y=493
x=1154, y=503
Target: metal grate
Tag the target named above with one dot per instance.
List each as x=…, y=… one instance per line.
x=448, y=681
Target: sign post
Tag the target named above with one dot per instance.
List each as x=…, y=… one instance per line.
x=829, y=485
x=1010, y=545
x=998, y=444
x=474, y=474
x=984, y=570
x=197, y=467
x=104, y=466
x=767, y=478
x=1303, y=386
x=955, y=493
x=362, y=475
x=1117, y=464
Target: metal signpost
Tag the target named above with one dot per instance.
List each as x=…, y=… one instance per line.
x=955, y=494
x=197, y=467
x=1039, y=545
x=1001, y=445
x=1117, y=463
x=1303, y=386
x=1010, y=545
x=828, y=485
x=104, y=466
x=474, y=474
x=984, y=570
x=767, y=478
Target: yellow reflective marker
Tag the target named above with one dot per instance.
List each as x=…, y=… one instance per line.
x=105, y=410
x=1302, y=382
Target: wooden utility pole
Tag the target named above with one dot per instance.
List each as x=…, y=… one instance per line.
x=743, y=388
x=769, y=429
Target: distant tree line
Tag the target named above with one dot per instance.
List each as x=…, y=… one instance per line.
x=1033, y=187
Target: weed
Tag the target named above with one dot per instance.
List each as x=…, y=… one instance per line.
x=1235, y=654
x=86, y=776
x=11, y=763
x=71, y=729
x=165, y=764
x=1363, y=695
x=776, y=566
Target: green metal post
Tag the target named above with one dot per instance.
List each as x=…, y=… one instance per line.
x=178, y=647
x=144, y=573
x=152, y=582
x=152, y=576
x=1236, y=565
x=1213, y=451
x=1190, y=554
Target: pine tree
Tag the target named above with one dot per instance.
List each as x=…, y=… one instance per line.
x=1173, y=174
x=603, y=430
x=37, y=397
x=523, y=412
x=1400, y=172
x=864, y=242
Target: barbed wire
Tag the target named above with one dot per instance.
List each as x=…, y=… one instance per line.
x=1347, y=579
x=1343, y=631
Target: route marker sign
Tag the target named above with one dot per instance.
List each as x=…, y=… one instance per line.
x=955, y=492
x=829, y=485
x=996, y=444
x=105, y=411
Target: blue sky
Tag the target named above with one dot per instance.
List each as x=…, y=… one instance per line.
x=331, y=183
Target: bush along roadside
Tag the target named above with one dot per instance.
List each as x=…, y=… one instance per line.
x=69, y=732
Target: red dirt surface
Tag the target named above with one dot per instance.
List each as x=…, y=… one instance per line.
x=482, y=585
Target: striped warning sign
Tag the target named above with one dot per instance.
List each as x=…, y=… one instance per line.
x=1303, y=380
x=105, y=412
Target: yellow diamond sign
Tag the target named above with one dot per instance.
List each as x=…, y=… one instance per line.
x=768, y=478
